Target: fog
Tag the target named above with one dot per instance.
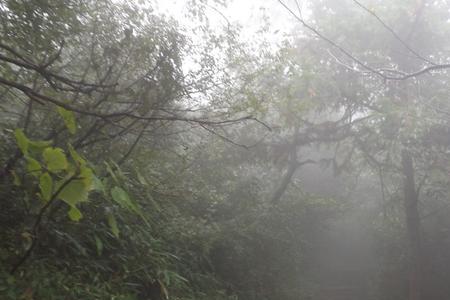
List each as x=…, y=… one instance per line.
x=227, y=150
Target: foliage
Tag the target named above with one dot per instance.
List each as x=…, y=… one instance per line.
x=142, y=160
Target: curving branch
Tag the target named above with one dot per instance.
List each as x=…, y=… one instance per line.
x=37, y=224
x=74, y=85
x=42, y=99
x=287, y=178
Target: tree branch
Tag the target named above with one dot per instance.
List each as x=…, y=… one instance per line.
x=379, y=72
x=37, y=223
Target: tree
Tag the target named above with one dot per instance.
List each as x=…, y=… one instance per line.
x=395, y=109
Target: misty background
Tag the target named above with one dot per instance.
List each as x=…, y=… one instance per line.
x=213, y=149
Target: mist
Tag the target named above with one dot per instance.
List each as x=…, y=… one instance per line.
x=226, y=150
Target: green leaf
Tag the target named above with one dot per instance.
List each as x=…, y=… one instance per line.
x=112, y=224
x=74, y=192
x=98, y=185
x=26, y=145
x=87, y=176
x=55, y=159
x=75, y=156
x=21, y=140
x=75, y=214
x=46, y=186
x=68, y=118
x=141, y=178
x=98, y=245
x=78, y=189
x=38, y=146
x=118, y=170
x=33, y=166
x=111, y=172
x=121, y=197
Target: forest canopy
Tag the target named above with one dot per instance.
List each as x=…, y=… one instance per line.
x=151, y=150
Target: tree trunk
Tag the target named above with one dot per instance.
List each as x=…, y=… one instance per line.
x=413, y=227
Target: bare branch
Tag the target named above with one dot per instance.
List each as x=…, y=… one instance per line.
x=388, y=28
x=379, y=72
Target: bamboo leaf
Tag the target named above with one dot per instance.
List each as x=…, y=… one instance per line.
x=112, y=222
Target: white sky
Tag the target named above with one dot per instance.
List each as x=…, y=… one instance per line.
x=249, y=13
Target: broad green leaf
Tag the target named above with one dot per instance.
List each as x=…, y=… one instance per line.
x=33, y=166
x=75, y=156
x=112, y=224
x=38, y=146
x=98, y=245
x=55, y=159
x=74, y=192
x=86, y=176
x=46, y=186
x=75, y=213
x=68, y=118
x=26, y=145
x=22, y=140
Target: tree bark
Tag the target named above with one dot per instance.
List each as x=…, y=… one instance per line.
x=413, y=227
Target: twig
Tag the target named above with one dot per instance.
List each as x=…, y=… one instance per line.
x=388, y=28
x=378, y=72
